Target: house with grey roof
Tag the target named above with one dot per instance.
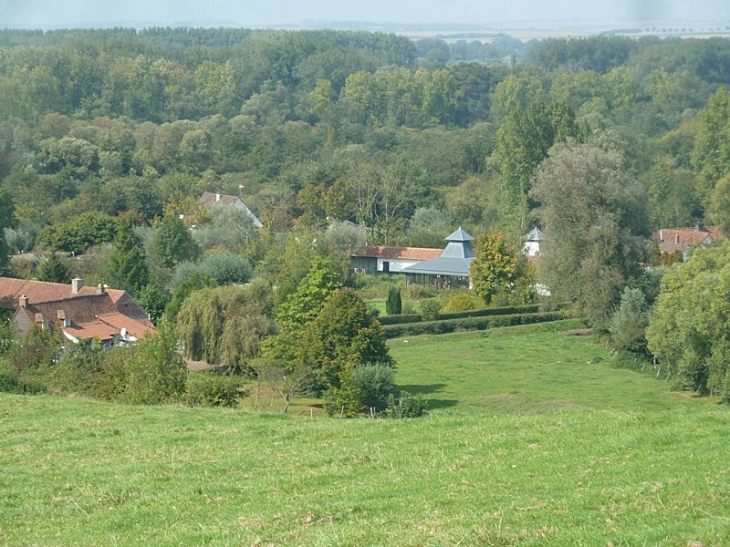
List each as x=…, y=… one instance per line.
x=216, y=199
x=450, y=269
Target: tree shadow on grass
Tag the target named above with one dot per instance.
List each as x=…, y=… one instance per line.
x=427, y=389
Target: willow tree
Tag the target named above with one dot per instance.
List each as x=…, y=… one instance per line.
x=225, y=325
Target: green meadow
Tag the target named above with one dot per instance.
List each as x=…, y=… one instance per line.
x=534, y=438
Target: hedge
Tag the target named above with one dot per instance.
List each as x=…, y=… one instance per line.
x=484, y=312
x=445, y=326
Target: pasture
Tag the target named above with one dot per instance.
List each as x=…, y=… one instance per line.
x=533, y=439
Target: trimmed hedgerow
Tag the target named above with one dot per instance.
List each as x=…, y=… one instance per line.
x=484, y=312
x=445, y=326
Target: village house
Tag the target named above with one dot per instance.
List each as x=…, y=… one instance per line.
x=372, y=258
x=681, y=241
x=81, y=313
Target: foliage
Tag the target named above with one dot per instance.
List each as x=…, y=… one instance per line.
x=78, y=370
x=172, y=242
x=154, y=300
x=211, y=389
x=405, y=406
x=494, y=267
x=225, y=325
x=53, y=269
x=461, y=301
x=127, y=268
x=604, y=236
x=688, y=325
x=79, y=233
x=343, y=336
x=301, y=307
x=151, y=372
x=629, y=322
x=374, y=383
x=430, y=309
x=394, y=303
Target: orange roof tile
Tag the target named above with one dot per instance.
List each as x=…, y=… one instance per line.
x=671, y=240
x=120, y=321
x=406, y=253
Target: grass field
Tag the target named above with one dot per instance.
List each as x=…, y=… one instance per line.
x=534, y=439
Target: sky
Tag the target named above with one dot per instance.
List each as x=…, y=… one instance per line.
x=256, y=13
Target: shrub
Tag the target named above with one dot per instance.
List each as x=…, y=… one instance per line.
x=375, y=383
x=460, y=302
x=394, y=303
x=213, y=389
x=78, y=370
x=430, y=309
x=152, y=372
x=406, y=406
x=629, y=322
x=12, y=383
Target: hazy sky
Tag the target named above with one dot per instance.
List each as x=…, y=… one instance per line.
x=53, y=13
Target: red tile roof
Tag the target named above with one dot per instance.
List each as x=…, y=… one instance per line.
x=134, y=327
x=406, y=253
x=671, y=240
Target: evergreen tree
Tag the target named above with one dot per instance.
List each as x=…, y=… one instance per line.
x=127, y=266
x=173, y=243
x=394, y=303
x=53, y=269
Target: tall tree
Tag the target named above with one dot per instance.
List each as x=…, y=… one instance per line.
x=690, y=320
x=344, y=335
x=495, y=265
x=127, y=266
x=594, y=215
x=173, y=243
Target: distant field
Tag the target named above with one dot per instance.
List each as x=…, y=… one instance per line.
x=534, y=440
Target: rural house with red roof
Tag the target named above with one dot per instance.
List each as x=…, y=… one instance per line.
x=682, y=241
x=80, y=312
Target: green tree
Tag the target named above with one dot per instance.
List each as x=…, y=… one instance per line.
x=343, y=336
x=172, y=243
x=629, y=322
x=394, y=302
x=719, y=210
x=688, y=325
x=225, y=325
x=53, y=269
x=127, y=266
x=7, y=220
x=594, y=216
x=494, y=267
x=301, y=307
x=711, y=153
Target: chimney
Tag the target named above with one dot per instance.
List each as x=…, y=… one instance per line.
x=100, y=288
x=676, y=239
x=700, y=227
x=217, y=197
x=23, y=301
x=76, y=284
x=661, y=236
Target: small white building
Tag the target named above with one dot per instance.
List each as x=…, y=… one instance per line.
x=531, y=248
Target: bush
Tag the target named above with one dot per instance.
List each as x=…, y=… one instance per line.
x=213, y=389
x=430, y=309
x=149, y=373
x=406, y=406
x=78, y=370
x=394, y=303
x=629, y=322
x=11, y=383
x=460, y=302
x=375, y=383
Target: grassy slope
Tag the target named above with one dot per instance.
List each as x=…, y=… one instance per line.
x=600, y=467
